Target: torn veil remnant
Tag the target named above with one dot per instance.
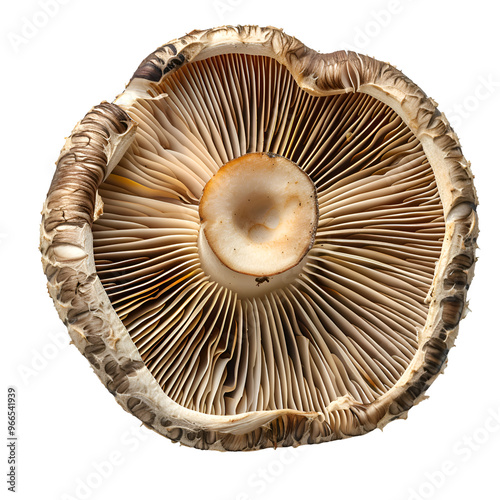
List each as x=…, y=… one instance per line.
x=259, y=245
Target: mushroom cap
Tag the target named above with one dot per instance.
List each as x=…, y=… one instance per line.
x=348, y=340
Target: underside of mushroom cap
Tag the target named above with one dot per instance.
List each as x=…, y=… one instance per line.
x=343, y=340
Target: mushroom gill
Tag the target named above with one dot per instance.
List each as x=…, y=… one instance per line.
x=259, y=245
x=347, y=325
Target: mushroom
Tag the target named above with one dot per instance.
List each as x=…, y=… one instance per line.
x=257, y=245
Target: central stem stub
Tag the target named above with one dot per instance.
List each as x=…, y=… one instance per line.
x=259, y=215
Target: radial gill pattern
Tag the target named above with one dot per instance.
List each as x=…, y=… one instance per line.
x=348, y=324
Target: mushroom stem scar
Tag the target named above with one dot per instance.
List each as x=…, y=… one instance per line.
x=258, y=216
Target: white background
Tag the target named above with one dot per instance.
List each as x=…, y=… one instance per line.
x=75, y=442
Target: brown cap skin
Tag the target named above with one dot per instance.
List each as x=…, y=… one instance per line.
x=72, y=204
